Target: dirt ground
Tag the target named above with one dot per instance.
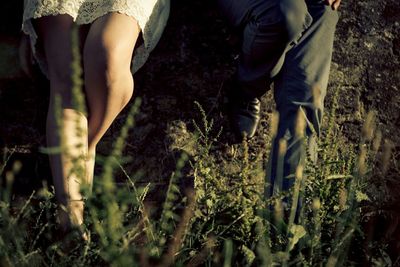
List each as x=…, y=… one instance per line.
x=192, y=62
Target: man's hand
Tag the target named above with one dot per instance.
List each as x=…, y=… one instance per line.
x=333, y=3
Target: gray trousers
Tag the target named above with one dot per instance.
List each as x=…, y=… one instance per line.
x=288, y=42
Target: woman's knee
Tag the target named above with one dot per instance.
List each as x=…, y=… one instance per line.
x=60, y=76
x=109, y=64
x=54, y=33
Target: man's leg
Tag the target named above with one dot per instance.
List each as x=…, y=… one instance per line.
x=302, y=83
x=265, y=38
x=260, y=24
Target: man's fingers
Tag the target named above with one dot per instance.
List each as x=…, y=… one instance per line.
x=329, y=2
x=336, y=4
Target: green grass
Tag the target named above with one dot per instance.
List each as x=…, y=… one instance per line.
x=225, y=221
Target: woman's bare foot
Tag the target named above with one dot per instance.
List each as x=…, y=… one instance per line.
x=72, y=233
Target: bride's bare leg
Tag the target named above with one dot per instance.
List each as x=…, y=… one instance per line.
x=108, y=79
x=109, y=86
x=55, y=34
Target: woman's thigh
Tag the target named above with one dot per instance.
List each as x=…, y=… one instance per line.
x=110, y=42
x=54, y=34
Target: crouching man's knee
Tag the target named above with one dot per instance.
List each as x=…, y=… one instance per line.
x=296, y=18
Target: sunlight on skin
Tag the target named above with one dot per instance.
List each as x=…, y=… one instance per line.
x=333, y=3
x=107, y=54
x=66, y=180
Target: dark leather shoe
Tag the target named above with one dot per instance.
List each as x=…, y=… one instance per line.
x=244, y=113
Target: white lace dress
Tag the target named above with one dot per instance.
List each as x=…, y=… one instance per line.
x=151, y=16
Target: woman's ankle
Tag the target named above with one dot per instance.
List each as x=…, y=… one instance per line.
x=71, y=215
